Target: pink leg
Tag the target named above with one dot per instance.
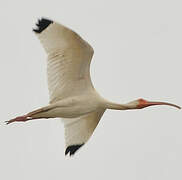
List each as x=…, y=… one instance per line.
x=30, y=116
x=19, y=119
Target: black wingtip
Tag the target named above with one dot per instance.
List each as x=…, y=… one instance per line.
x=42, y=24
x=72, y=149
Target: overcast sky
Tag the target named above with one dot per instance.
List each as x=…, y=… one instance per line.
x=138, y=53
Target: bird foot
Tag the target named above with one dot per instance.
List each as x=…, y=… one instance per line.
x=17, y=119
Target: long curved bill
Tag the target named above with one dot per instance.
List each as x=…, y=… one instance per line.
x=163, y=103
x=144, y=103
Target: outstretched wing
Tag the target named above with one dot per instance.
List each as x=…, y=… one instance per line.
x=79, y=130
x=69, y=58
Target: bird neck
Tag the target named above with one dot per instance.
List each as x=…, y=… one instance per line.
x=116, y=106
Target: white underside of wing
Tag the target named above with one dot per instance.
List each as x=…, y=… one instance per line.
x=78, y=130
x=65, y=78
x=68, y=65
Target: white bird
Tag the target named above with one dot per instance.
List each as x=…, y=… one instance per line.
x=72, y=94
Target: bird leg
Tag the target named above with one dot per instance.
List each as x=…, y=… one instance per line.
x=30, y=116
x=18, y=119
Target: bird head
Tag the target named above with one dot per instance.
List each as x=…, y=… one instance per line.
x=142, y=103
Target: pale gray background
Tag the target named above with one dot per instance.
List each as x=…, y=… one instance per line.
x=138, y=53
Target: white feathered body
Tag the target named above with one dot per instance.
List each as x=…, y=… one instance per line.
x=73, y=107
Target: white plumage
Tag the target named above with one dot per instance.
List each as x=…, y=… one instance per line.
x=72, y=95
x=68, y=69
x=69, y=58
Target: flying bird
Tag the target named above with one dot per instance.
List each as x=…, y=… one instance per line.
x=72, y=94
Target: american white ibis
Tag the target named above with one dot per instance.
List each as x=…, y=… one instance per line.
x=72, y=94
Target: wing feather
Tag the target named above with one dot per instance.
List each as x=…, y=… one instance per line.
x=79, y=130
x=68, y=63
